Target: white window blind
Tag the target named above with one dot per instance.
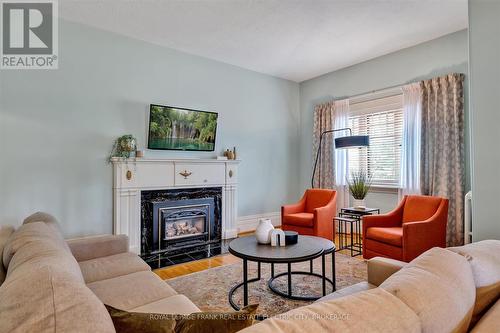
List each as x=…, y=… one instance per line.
x=380, y=118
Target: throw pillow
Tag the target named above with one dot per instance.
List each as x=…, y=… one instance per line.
x=197, y=322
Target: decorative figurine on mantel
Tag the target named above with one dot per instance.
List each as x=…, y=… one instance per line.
x=230, y=154
x=123, y=146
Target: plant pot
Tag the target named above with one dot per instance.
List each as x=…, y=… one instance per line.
x=263, y=231
x=359, y=203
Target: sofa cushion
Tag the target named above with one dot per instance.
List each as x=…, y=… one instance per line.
x=484, y=260
x=355, y=288
x=35, y=245
x=50, y=300
x=5, y=233
x=379, y=269
x=374, y=310
x=42, y=253
x=112, y=266
x=391, y=236
x=31, y=232
x=176, y=304
x=420, y=207
x=50, y=221
x=93, y=247
x=132, y=290
x=438, y=286
x=300, y=219
x=490, y=321
x=47, y=218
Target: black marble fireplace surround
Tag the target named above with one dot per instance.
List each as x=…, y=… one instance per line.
x=180, y=225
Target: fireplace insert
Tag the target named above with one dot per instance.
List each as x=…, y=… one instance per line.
x=184, y=222
x=180, y=224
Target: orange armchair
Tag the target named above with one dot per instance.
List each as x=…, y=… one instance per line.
x=312, y=215
x=416, y=225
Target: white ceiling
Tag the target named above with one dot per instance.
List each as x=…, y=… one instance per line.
x=291, y=39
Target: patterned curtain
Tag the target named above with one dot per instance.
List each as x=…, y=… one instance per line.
x=442, y=148
x=323, y=121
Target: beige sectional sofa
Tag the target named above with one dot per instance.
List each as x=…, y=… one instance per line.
x=56, y=286
x=443, y=290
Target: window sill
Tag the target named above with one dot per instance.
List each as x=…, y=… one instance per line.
x=384, y=189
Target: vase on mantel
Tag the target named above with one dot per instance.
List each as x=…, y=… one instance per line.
x=263, y=231
x=359, y=203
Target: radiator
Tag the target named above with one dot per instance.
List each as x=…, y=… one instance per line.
x=468, y=218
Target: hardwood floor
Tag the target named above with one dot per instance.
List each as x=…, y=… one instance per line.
x=203, y=264
x=196, y=266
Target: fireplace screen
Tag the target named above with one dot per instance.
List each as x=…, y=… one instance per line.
x=182, y=222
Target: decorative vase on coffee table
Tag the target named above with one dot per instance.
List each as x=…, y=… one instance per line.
x=263, y=231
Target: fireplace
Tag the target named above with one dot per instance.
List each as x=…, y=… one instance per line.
x=180, y=225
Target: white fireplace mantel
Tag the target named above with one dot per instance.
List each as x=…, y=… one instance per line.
x=131, y=176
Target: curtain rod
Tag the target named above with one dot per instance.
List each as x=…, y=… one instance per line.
x=375, y=91
x=387, y=88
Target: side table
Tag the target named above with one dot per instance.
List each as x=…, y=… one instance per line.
x=349, y=224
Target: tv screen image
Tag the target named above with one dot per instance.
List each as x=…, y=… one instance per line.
x=173, y=128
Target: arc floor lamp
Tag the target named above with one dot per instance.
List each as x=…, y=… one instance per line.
x=350, y=141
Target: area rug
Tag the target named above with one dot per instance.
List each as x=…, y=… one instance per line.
x=209, y=289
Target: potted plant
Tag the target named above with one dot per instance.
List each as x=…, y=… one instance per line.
x=123, y=146
x=359, y=185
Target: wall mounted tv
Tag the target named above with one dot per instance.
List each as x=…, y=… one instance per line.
x=173, y=128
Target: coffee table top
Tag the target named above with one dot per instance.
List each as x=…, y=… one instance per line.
x=307, y=247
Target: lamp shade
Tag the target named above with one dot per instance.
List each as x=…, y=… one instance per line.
x=353, y=141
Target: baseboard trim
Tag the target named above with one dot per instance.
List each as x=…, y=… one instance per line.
x=230, y=234
x=249, y=223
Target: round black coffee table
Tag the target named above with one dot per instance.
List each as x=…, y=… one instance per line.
x=307, y=248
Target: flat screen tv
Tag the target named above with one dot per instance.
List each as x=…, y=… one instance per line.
x=173, y=128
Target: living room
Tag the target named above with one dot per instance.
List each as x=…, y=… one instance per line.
x=204, y=166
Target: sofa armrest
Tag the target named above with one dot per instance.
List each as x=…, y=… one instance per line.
x=87, y=248
x=379, y=269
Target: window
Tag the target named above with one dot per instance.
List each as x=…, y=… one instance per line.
x=381, y=118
